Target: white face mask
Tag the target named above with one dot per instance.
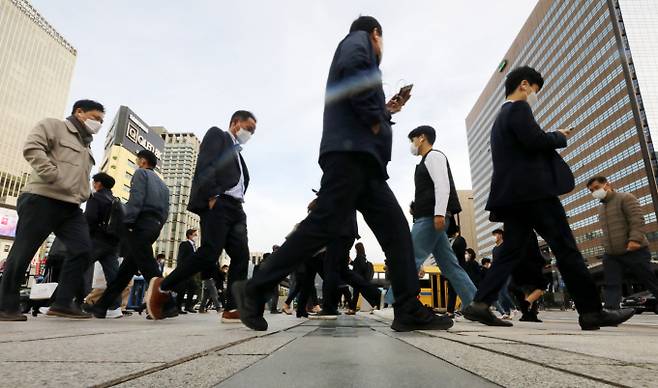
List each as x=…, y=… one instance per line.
x=93, y=126
x=599, y=194
x=532, y=99
x=413, y=148
x=243, y=136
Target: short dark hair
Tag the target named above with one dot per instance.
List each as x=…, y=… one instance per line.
x=472, y=253
x=498, y=231
x=87, y=105
x=520, y=74
x=485, y=260
x=104, y=179
x=161, y=256
x=599, y=178
x=367, y=24
x=224, y=266
x=426, y=130
x=149, y=157
x=242, y=115
x=190, y=232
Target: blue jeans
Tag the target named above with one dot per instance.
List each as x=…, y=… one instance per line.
x=429, y=240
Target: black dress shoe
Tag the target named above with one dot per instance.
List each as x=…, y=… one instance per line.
x=251, y=314
x=594, y=321
x=182, y=312
x=530, y=316
x=12, y=316
x=302, y=313
x=479, y=312
x=72, y=312
x=415, y=316
x=276, y=312
x=96, y=311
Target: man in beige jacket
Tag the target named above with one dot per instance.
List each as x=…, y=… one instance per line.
x=58, y=152
x=626, y=245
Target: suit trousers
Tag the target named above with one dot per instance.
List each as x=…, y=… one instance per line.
x=351, y=181
x=138, y=244
x=38, y=216
x=548, y=218
x=222, y=228
x=638, y=263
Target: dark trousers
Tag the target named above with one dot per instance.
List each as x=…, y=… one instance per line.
x=548, y=218
x=107, y=254
x=308, y=294
x=138, y=248
x=185, y=294
x=337, y=273
x=223, y=227
x=638, y=263
x=351, y=181
x=274, y=300
x=294, y=289
x=452, y=299
x=39, y=216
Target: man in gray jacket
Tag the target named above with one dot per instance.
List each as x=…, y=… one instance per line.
x=624, y=239
x=58, y=152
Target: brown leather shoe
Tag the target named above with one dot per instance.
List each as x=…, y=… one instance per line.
x=232, y=316
x=155, y=299
x=12, y=317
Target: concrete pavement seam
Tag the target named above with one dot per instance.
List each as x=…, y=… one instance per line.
x=433, y=355
x=597, y=379
x=182, y=360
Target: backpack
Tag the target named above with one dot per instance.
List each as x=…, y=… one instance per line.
x=112, y=223
x=370, y=272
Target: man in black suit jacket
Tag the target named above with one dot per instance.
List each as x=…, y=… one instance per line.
x=528, y=176
x=355, y=149
x=188, y=288
x=220, y=181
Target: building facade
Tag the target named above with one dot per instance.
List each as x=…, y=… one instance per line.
x=36, y=66
x=596, y=82
x=128, y=135
x=466, y=219
x=178, y=163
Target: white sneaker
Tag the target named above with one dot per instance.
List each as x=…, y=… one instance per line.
x=113, y=314
x=44, y=310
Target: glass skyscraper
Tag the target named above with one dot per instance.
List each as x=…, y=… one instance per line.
x=600, y=63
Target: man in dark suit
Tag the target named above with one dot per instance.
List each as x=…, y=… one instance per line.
x=355, y=149
x=528, y=176
x=220, y=181
x=187, y=289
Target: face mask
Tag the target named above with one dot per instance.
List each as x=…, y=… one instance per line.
x=93, y=126
x=414, y=149
x=599, y=194
x=243, y=136
x=532, y=98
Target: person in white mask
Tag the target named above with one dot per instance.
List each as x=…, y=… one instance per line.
x=528, y=178
x=624, y=240
x=58, y=152
x=218, y=190
x=436, y=203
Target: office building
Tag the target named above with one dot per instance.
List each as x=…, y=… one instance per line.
x=128, y=135
x=599, y=61
x=36, y=66
x=466, y=219
x=178, y=164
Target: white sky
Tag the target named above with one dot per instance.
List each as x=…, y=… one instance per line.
x=188, y=65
